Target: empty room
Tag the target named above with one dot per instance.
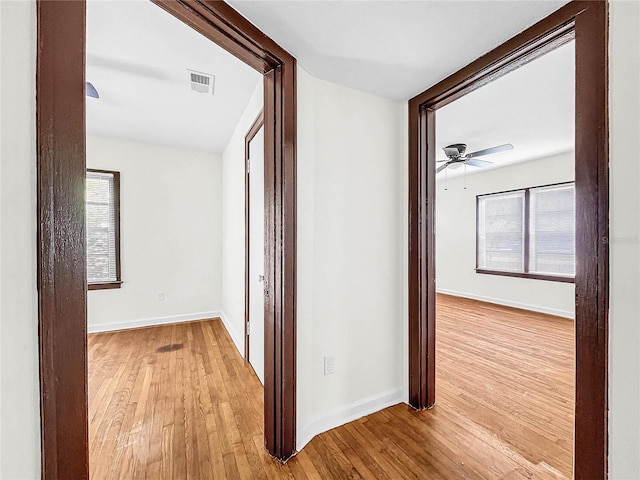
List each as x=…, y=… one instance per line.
x=505, y=249
x=168, y=112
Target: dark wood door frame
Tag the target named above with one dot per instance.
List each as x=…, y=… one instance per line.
x=587, y=20
x=253, y=130
x=60, y=129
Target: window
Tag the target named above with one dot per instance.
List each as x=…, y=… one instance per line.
x=527, y=233
x=103, y=229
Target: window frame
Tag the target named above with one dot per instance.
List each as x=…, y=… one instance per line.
x=527, y=237
x=116, y=207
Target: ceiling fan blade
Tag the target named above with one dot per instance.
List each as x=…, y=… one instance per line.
x=478, y=163
x=442, y=167
x=440, y=161
x=489, y=151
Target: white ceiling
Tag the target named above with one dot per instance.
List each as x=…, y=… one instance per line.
x=137, y=56
x=394, y=49
x=532, y=108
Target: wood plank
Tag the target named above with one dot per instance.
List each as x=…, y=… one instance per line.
x=195, y=410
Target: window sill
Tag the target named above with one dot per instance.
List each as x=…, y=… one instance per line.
x=533, y=276
x=104, y=285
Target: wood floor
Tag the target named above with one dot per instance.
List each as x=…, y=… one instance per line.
x=178, y=402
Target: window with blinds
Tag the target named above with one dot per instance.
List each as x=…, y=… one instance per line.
x=501, y=232
x=552, y=230
x=528, y=232
x=103, y=229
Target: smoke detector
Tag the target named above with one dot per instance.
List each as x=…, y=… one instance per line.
x=201, y=82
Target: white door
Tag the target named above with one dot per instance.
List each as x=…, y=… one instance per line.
x=256, y=253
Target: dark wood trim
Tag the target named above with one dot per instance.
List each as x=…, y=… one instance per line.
x=104, y=285
x=530, y=276
x=116, y=206
x=422, y=304
x=253, y=130
x=280, y=274
x=557, y=184
x=477, y=236
x=429, y=234
x=61, y=216
x=592, y=241
x=62, y=282
x=526, y=244
x=587, y=23
x=414, y=273
x=99, y=170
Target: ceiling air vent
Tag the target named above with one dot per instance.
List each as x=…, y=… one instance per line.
x=201, y=82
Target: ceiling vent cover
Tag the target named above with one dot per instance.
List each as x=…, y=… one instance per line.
x=201, y=82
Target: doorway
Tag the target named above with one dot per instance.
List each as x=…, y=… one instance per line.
x=255, y=286
x=505, y=261
x=588, y=21
x=61, y=218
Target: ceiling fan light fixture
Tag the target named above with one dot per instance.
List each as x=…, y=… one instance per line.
x=456, y=149
x=91, y=91
x=456, y=156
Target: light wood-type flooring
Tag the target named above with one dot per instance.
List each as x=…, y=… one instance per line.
x=178, y=402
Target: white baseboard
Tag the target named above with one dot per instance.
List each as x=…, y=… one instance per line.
x=345, y=414
x=236, y=336
x=150, y=322
x=508, y=303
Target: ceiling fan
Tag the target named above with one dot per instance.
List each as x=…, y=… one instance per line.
x=456, y=154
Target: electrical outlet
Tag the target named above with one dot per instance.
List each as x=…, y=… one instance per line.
x=329, y=365
x=161, y=297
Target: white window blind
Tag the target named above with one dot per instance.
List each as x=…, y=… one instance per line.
x=528, y=232
x=101, y=228
x=501, y=232
x=552, y=230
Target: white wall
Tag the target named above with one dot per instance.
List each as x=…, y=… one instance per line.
x=170, y=230
x=624, y=319
x=19, y=387
x=350, y=282
x=233, y=222
x=1, y=203
x=456, y=238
